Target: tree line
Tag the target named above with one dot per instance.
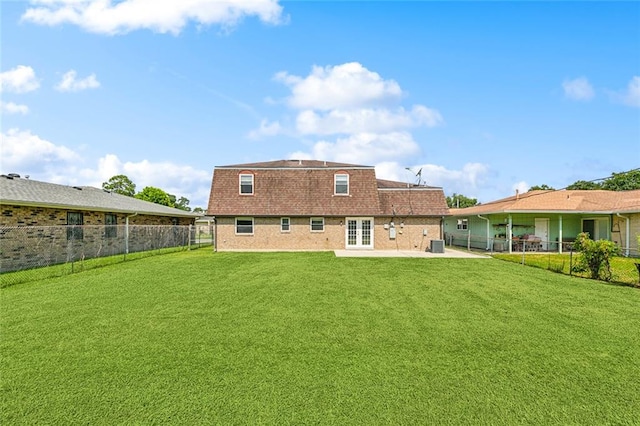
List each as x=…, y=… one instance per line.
x=623, y=181
x=121, y=184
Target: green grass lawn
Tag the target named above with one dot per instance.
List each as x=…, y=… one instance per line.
x=298, y=338
x=623, y=269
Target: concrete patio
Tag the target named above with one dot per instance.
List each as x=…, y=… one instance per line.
x=448, y=253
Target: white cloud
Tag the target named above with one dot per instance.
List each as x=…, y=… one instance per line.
x=180, y=180
x=578, y=89
x=23, y=151
x=521, y=187
x=120, y=17
x=20, y=79
x=359, y=108
x=363, y=148
x=467, y=180
x=69, y=83
x=347, y=100
x=364, y=120
x=632, y=96
x=343, y=86
x=266, y=128
x=13, y=108
x=28, y=154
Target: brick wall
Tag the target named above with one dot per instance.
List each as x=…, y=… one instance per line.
x=268, y=236
x=43, y=216
x=33, y=236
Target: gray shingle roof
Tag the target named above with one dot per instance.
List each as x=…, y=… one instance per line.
x=292, y=164
x=19, y=191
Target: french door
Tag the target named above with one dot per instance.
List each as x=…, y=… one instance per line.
x=359, y=232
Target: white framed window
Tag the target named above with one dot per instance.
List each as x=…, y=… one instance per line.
x=463, y=224
x=341, y=184
x=244, y=226
x=246, y=184
x=317, y=224
x=285, y=224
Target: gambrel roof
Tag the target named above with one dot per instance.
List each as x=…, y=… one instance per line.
x=306, y=188
x=27, y=192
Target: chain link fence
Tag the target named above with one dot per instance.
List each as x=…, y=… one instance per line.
x=533, y=251
x=36, y=252
x=529, y=244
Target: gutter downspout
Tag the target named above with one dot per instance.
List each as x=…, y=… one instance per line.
x=626, y=250
x=510, y=234
x=560, y=234
x=488, y=232
x=126, y=232
x=215, y=235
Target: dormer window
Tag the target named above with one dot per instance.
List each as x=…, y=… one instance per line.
x=246, y=184
x=341, y=184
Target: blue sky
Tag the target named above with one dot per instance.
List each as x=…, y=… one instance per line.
x=484, y=97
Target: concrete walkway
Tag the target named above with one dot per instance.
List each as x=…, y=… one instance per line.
x=448, y=253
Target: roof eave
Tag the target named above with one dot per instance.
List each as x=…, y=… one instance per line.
x=94, y=208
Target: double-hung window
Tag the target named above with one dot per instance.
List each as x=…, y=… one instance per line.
x=246, y=184
x=285, y=224
x=75, y=220
x=341, y=184
x=244, y=226
x=317, y=224
x=463, y=224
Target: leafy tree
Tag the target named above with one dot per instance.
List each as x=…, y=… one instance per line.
x=460, y=201
x=624, y=181
x=595, y=256
x=542, y=187
x=183, y=204
x=120, y=184
x=584, y=185
x=198, y=210
x=154, y=195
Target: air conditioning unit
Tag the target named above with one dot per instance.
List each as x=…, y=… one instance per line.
x=437, y=246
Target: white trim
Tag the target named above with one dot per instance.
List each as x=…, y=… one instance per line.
x=288, y=224
x=311, y=224
x=335, y=184
x=244, y=233
x=358, y=236
x=240, y=176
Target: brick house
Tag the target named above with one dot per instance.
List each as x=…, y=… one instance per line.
x=319, y=205
x=26, y=202
x=55, y=223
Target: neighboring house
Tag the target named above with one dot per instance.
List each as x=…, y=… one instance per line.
x=540, y=220
x=26, y=202
x=319, y=205
x=49, y=216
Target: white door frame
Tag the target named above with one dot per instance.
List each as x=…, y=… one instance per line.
x=542, y=231
x=354, y=228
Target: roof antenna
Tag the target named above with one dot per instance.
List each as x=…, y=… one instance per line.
x=418, y=175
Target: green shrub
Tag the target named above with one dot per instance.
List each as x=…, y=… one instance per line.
x=595, y=256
